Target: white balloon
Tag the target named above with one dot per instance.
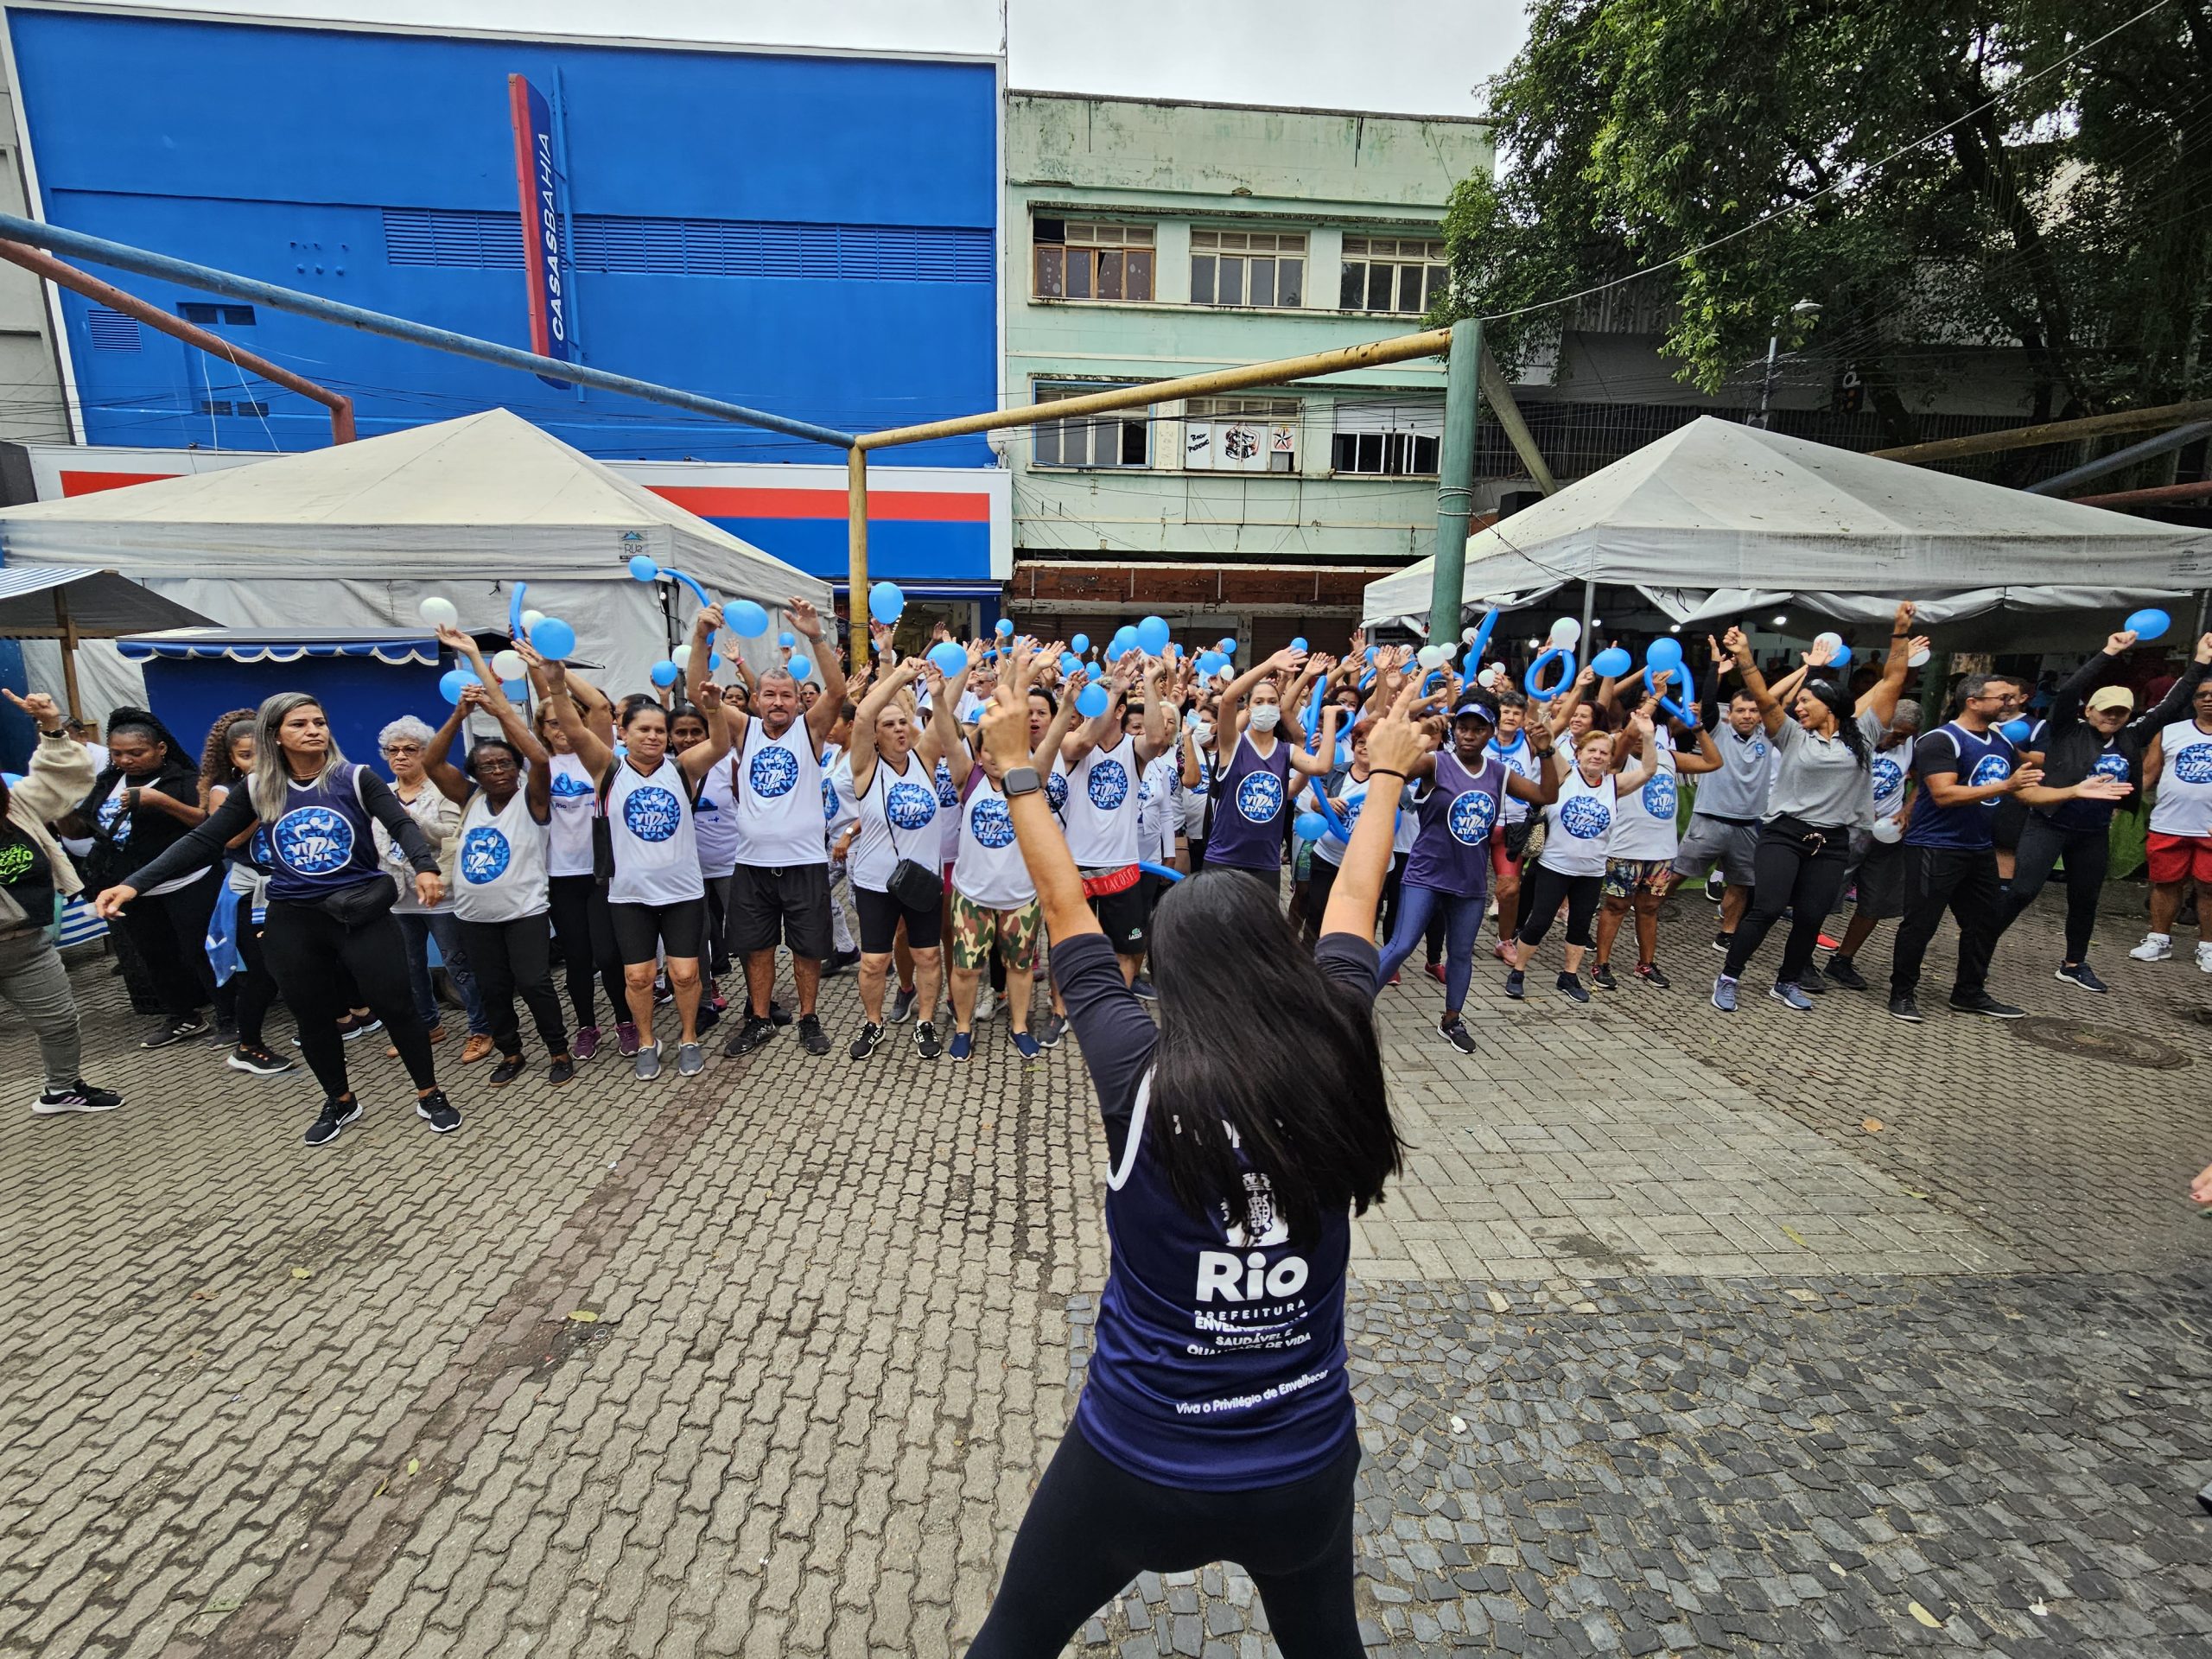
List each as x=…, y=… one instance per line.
x=1919, y=658
x=1832, y=641
x=438, y=613
x=1429, y=655
x=530, y=619
x=681, y=656
x=508, y=665
x=1566, y=632
x=1886, y=830
x=1467, y=636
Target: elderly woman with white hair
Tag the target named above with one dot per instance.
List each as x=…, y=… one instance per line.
x=402, y=743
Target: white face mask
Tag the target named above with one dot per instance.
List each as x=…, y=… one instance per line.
x=1204, y=733
x=1264, y=717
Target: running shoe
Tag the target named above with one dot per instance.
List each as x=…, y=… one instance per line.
x=1904, y=1008
x=902, y=1006
x=1810, y=981
x=690, y=1059
x=840, y=961
x=1792, y=996
x=1517, y=984
x=79, y=1096
x=509, y=1068
x=1982, y=1002
x=438, y=1112
x=625, y=1037
x=1827, y=944
x=987, y=1003
x=2204, y=957
x=2080, y=974
x=1602, y=977
x=1570, y=985
x=1720, y=942
x=1435, y=971
x=778, y=1013
x=175, y=1031
x=359, y=1025
x=645, y=1066
x=336, y=1115
x=1056, y=1027
x=1142, y=987
x=564, y=1071
x=754, y=1033
x=224, y=1035
x=867, y=1043
x=708, y=1019
x=926, y=1043
x=2156, y=947
x=812, y=1037
x=1455, y=1032
x=1025, y=1045
x=1649, y=973
x=963, y=1045
x=251, y=1057
x=1841, y=972
x=1724, y=994
x=586, y=1045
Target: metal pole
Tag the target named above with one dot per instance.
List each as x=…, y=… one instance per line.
x=1766, y=384
x=120, y=257
x=2180, y=438
x=1589, y=615
x=856, y=554
x=67, y=276
x=2032, y=437
x=1498, y=392
x=1455, y=480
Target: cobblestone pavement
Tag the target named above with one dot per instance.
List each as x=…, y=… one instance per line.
x=1733, y=1370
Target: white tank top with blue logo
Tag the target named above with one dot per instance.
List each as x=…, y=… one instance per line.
x=716, y=812
x=2184, y=803
x=778, y=798
x=1102, y=807
x=575, y=800
x=499, y=873
x=1643, y=819
x=988, y=869
x=656, y=838
x=898, y=820
x=949, y=814
x=1581, y=826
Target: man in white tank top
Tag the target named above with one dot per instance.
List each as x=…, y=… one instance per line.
x=1103, y=763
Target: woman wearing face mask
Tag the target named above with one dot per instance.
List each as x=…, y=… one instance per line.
x=143, y=802
x=226, y=765
x=402, y=743
x=1253, y=762
x=1197, y=742
x=583, y=927
x=1571, y=869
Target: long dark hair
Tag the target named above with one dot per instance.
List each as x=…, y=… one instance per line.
x=1258, y=1048
x=217, y=770
x=1839, y=703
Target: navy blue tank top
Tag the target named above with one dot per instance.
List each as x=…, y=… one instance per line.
x=1451, y=854
x=1250, y=807
x=321, y=842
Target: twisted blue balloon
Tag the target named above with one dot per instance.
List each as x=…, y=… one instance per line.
x=514, y=611
x=1160, y=870
x=1532, y=679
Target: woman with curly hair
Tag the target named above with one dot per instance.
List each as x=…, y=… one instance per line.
x=226, y=763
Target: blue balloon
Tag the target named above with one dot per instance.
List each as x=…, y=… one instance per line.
x=1152, y=635
x=1005, y=627
x=948, y=657
x=1115, y=652
x=553, y=639
x=714, y=661
x=1080, y=643
x=2148, y=625
x=1227, y=646
x=453, y=681
x=886, y=603
x=801, y=669
x=2017, y=731
x=787, y=640
x=1664, y=653
x=746, y=620
x=643, y=568
x=1310, y=826
x=1299, y=644
x=666, y=673
x=1611, y=662
x=1091, y=701
x=1532, y=681
x=1842, y=657
x=517, y=690
x=1161, y=871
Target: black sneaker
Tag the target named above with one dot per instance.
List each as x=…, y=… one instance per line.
x=79, y=1096
x=1841, y=972
x=1649, y=973
x=1721, y=942
x=840, y=961
x=175, y=1031
x=867, y=1043
x=1570, y=985
x=438, y=1112
x=509, y=1068
x=778, y=1013
x=812, y=1037
x=1983, y=1003
x=359, y=1025
x=926, y=1043
x=1517, y=984
x=1455, y=1032
x=336, y=1115
x=2080, y=974
x=249, y=1057
x=749, y=1036
x=564, y=1070
x=1716, y=889
x=1810, y=981
x=902, y=1008
x=1054, y=1028
x=1142, y=988
x=1602, y=977
x=1904, y=1008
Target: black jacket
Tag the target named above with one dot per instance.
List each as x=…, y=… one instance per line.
x=2071, y=747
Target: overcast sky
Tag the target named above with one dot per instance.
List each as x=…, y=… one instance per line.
x=1416, y=57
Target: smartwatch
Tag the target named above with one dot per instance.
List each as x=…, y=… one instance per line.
x=1022, y=780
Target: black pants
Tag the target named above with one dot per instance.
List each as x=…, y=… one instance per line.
x=171, y=934
x=1788, y=875
x=1092, y=1527
x=1962, y=881
x=1394, y=886
x=510, y=959
x=323, y=965
x=2086, y=852
x=256, y=986
x=585, y=931
x=1544, y=890
x=1320, y=882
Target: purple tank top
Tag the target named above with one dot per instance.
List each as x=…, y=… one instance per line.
x=1452, y=852
x=1248, y=809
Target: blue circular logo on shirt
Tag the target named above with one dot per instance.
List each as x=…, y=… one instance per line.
x=1659, y=795
x=992, y=823
x=1471, y=815
x=948, y=792
x=484, y=855
x=2110, y=766
x=257, y=850
x=1888, y=776
x=1056, y=791
x=313, y=841
x=652, y=813
x=1758, y=748
x=829, y=802
x=1258, y=797
x=774, y=772
x=115, y=822
x=1989, y=769
x=1109, y=785
x=909, y=806
x=1586, y=818
x=569, y=788
x=2194, y=763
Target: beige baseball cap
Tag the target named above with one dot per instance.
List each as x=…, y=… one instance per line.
x=2111, y=697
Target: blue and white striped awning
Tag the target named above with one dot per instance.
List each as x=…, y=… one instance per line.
x=279, y=646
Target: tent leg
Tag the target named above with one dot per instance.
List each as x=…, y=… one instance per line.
x=856, y=556
x=68, y=656
x=1589, y=610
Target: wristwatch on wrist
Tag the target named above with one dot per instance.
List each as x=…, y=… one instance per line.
x=1022, y=780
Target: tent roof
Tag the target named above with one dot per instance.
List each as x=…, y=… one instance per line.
x=489, y=493
x=1718, y=506
x=99, y=604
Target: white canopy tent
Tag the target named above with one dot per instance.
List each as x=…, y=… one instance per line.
x=1716, y=519
x=356, y=535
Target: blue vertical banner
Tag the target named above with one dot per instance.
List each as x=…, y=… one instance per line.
x=544, y=211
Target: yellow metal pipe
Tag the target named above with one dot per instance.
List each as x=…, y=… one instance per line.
x=1430, y=343
x=2032, y=437
x=856, y=554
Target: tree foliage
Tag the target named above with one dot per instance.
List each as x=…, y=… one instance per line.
x=2063, y=208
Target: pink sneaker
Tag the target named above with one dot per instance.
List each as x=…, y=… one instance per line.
x=586, y=1043
x=625, y=1037
x=1435, y=971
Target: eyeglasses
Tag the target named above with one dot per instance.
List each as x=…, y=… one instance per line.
x=402, y=748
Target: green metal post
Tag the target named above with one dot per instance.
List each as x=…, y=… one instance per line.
x=1455, y=480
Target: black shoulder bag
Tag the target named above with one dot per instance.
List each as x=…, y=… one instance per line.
x=917, y=887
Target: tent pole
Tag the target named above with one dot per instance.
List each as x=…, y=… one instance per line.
x=856, y=611
x=68, y=655
x=1589, y=611
x=1455, y=480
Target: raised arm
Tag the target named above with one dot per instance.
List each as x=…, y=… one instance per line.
x=1044, y=849
x=1626, y=782
x=451, y=781
x=1881, y=698
x=1392, y=748
x=583, y=731
x=703, y=628
x=1562, y=707
x=1152, y=742
x=1286, y=661
x=861, y=754
x=2177, y=700
x=702, y=758
x=807, y=622
x=1770, y=709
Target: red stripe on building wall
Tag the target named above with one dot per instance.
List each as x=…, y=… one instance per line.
x=740, y=501
x=92, y=483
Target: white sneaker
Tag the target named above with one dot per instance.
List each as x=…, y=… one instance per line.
x=986, y=1002
x=2156, y=947
x=2204, y=957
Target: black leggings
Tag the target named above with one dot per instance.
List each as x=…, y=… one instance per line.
x=2086, y=852
x=256, y=986
x=323, y=965
x=1544, y=890
x=171, y=933
x=1787, y=876
x=585, y=931
x=515, y=958
x=1092, y=1527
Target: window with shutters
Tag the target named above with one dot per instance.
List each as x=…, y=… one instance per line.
x=1082, y=259
x=1392, y=274
x=1255, y=268
x=1122, y=438
x=1241, y=434
x=1386, y=440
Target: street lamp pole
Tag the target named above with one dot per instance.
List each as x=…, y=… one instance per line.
x=1764, y=420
